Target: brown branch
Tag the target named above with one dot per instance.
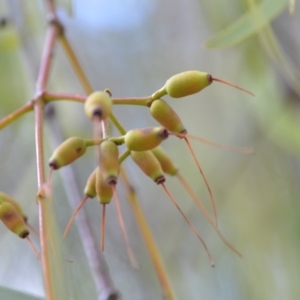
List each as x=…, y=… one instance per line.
x=43, y=76
x=16, y=114
x=76, y=65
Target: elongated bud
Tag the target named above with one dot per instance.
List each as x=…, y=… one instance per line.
x=184, y=84
x=90, y=187
x=109, y=161
x=103, y=189
x=67, y=152
x=164, y=114
x=13, y=220
x=149, y=164
x=190, y=82
x=143, y=139
x=166, y=163
x=6, y=198
x=98, y=104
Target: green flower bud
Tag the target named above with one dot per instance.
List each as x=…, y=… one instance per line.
x=109, y=161
x=6, y=198
x=187, y=83
x=13, y=220
x=67, y=152
x=143, y=139
x=167, y=164
x=164, y=114
x=184, y=84
x=98, y=104
x=149, y=164
x=103, y=189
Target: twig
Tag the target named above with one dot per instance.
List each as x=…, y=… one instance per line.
x=41, y=83
x=16, y=114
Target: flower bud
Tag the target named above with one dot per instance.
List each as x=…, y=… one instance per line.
x=67, y=152
x=6, y=198
x=98, y=104
x=109, y=161
x=187, y=83
x=164, y=114
x=184, y=84
x=143, y=139
x=13, y=220
x=103, y=189
x=166, y=163
x=149, y=164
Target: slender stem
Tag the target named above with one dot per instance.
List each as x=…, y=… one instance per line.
x=49, y=97
x=51, y=8
x=16, y=114
x=47, y=58
x=132, y=101
x=116, y=122
x=149, y=240
x=130, y=254
x=105, y=129
x=124, y=155
x=76, y=65
x=39, y=120
x=205, y=213
x=45, y=249
x=93, y=142
x=43, y=76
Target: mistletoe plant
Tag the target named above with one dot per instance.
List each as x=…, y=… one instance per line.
x=143, y=145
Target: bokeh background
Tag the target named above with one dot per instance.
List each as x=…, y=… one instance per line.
x=133, y=47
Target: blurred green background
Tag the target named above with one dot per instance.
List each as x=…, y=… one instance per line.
x=133, y=47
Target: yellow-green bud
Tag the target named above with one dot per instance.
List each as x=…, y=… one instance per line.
x=142, y=139
x=167, y=164
x=187, y=83
x=109, y=161
x=98, y=104
x=164, y=114
x=149, y=164
x=6, y=198
x=67, y=152
x=184, y=84
x=103, y=189
x=13, y=220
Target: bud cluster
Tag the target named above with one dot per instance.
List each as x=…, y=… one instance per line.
x=143, y=145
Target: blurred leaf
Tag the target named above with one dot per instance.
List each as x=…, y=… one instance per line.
x=8, y=294
x=9, y=40
x=247, y=25
x=292, y=6
x=14, y=81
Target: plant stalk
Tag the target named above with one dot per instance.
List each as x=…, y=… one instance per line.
x=16, y=114
x=149, y=240
x=45, y=216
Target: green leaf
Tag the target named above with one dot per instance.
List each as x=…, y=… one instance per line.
x=248, y=24
x=9, y=294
